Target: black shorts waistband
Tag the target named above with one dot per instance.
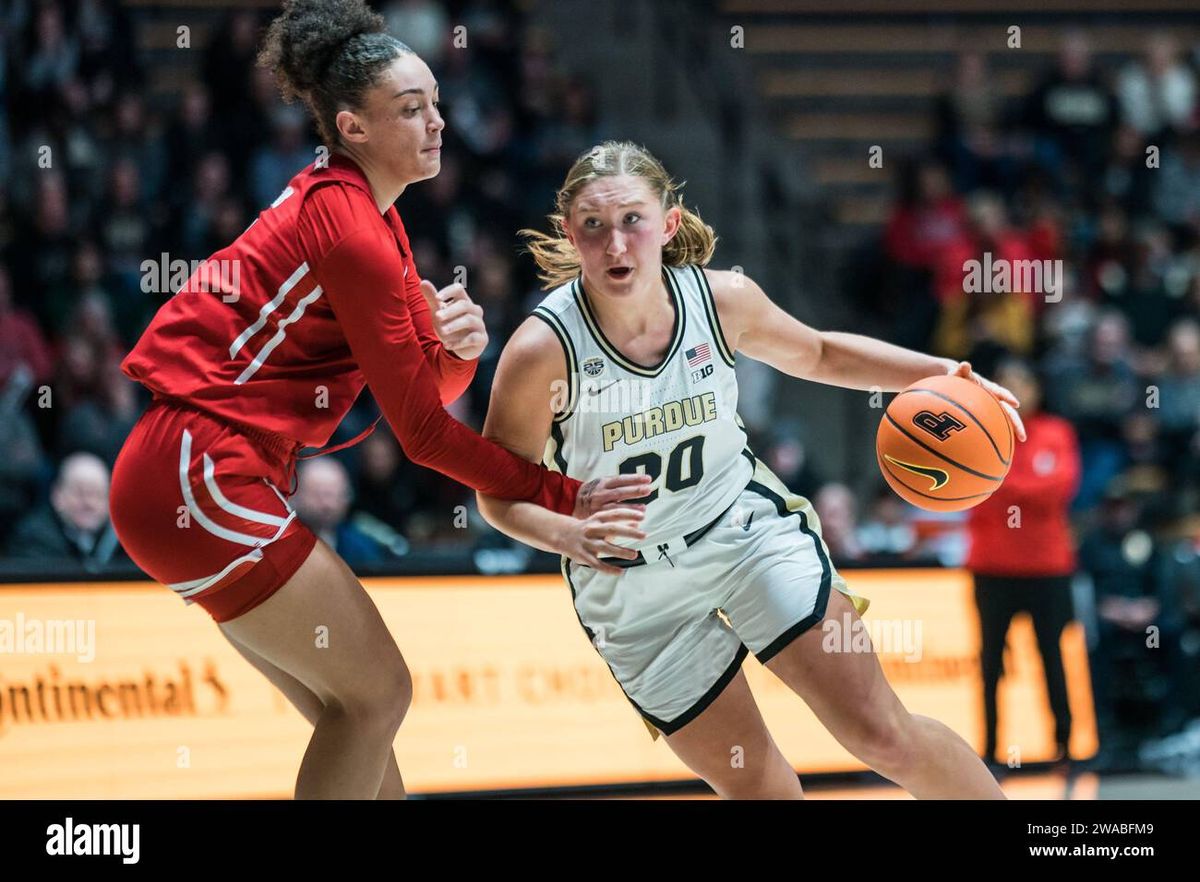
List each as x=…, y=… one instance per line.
x=689, y=539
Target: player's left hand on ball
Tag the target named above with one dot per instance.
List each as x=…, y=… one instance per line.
x=615, y=491
x=1007, y=400
x=457, y=320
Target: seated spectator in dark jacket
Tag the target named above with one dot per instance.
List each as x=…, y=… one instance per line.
x=1135, y=662
x=1096, y=392
x=1073, y=112
x=73, y=529
x=322, y=501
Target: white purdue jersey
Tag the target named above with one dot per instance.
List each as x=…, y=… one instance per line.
x=676, y=421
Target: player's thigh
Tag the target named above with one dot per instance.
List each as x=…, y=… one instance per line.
x=844, y=687
x=301, y=697
x=729, y=746
x=322, y=628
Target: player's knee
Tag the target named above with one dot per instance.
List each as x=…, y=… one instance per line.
x=882, y=740
x=381, y=704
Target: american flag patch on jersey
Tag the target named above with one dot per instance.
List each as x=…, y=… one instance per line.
x=699, y=355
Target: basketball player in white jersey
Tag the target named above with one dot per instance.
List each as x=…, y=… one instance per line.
x=627, y=366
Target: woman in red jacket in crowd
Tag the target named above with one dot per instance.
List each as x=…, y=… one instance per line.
x=265, y=350
x=1022, y=553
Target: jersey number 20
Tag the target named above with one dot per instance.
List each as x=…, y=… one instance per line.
x=651, y=464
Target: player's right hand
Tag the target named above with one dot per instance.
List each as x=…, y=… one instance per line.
x=615, y=491
x=588, y=539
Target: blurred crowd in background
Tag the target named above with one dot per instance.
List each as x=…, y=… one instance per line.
x=1060, y=173
x=1098, y=168
x=128, y=182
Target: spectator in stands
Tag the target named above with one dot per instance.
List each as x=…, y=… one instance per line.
x=55, y=56
x=1158, y=94
x=41, y=256
x=1073, y=113
x=1109, y=266
x=1135, y=661
x=929, y=217
x=970, y=139
x=423, y=25
x=1126, y=177
x=382, y=491
x=229, y=60
x=1095, y=391
x=1022, y=553
x=132, y=138
x=24, y=365
x=95, y=403
x=887, y=534
x=322, y=501
x=1177, y=191
x=984, y=319
x=192, y=135
x=274, y=164
x=837, y=510
x=72, y=529
x=21, y=341
x=1179, y=398
x=124, y=226
x=194, y=221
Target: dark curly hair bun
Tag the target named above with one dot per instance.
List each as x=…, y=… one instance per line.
x=328, y=52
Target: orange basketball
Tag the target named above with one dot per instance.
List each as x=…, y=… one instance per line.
x=944, y=444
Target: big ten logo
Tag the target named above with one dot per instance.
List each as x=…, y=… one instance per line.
x=702, y=373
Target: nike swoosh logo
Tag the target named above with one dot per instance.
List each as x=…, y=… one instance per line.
x=746, y=526
x=592, y=391
x=939, y=477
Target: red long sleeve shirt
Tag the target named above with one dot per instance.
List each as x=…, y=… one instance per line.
x=319, y=297
x=1041, y=483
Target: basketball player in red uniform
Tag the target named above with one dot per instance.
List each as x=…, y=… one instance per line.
x=265, y=349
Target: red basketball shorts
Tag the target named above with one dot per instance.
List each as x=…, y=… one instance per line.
x=197, y=504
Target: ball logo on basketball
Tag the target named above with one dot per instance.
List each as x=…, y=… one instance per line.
x=944, y=444
x=939, y=425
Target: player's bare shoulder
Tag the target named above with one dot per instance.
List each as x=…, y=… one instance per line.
x=736, y=296
x=533, y=354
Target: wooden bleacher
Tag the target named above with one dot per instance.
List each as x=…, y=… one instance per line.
x=841, y=75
